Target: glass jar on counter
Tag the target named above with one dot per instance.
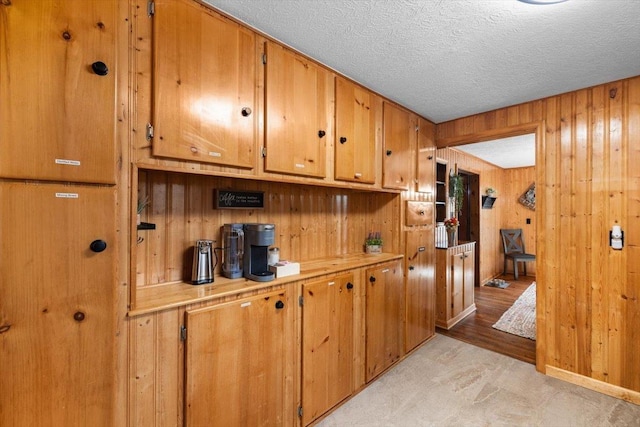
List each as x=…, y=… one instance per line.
x=274, y=256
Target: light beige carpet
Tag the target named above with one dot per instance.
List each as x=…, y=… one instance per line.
x=520, y=318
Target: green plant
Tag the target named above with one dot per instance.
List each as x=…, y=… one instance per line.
x=142, y=203
x=456, y=190
x=373, y=239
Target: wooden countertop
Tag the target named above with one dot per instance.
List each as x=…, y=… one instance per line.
x=176, y=294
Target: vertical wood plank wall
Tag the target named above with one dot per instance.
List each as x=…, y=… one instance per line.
x=587, y=178
x=311, y=222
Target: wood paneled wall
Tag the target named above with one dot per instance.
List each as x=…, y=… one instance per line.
x=311, y=222
x=513, y=214
x=587, y=179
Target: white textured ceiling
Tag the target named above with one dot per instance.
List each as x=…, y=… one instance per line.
x=507, y=153
x=446, y=59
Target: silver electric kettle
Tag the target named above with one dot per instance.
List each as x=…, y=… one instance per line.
x=203, y=264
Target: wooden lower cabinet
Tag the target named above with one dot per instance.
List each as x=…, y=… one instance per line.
x=327, y=344
x=455, y=276
x=236, y=362
x=57, y=297
x=421, y=291
x=385, y=299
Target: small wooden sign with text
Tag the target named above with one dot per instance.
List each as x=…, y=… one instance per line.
x=230, y=199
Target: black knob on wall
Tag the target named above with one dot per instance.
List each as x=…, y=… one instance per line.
x=321, y=133
x=389, y=152
x=349, y=285
x=411, y=267
x=246, y=111
x=98, y=245
x=343, y=140
x=372, y=279
x=279, y=305
x=100, y=68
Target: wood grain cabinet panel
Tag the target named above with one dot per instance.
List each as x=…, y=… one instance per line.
x=418, y=213
x=327, y=344
x=421, y=296
x=358, y=126
x=426, y=158
x=236, y=362
x=455, y=284
x=296, y=122
x=385, y=299
x=398, y=163
x=57, y=275
x=57, y=90
x=204, y=100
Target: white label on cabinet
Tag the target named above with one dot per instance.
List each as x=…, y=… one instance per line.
x=67, y=195
x=67, y=162
x=300, y=165
x=215, y=154
x=245, y=304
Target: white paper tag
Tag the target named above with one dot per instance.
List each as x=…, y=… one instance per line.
x=215, y=154
x=67, y=195
x=67, y=162
x=300, y=165
x=245, y=304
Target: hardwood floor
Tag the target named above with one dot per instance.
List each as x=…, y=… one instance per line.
x=491, y=303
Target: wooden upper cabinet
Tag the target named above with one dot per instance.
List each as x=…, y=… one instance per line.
x=58, y=109
x=399, y=139
x=358, y=128
x=297, y=127
x=204, y=102
x=426, y=157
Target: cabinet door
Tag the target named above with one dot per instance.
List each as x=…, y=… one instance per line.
x=469, y=278
x=296, y=122
x=235, y=362
x=204, y=94
x=457, y=284
x=358, y=126
x=57, y=116
x=384, y=317
x=421, y=298
x=327, y=345
x=399, y=138
x=426, y=166
x=56, y=304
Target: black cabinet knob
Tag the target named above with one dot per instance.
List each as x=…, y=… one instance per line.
x=372, y=279
x=279, y=305
x=411, y=268
x=388, y=152
x=349, y=285
x=343, y=140
x=321, y=133
x=98, y=245
x=100, y=68
x=246, y=111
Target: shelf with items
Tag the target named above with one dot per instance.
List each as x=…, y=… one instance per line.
x=441, y=191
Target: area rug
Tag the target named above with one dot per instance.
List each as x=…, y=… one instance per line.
x=497, y=283
x=520, y=319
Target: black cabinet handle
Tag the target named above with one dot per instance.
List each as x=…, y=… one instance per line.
x=349, y=285
x=279, y=305
x=100, y=68
x=246, y=111
x=430, y=157
x=321, y=133
x=372, y=279
x=343, y=140
x=411, y=268
x=98, y=245
x=388, y=152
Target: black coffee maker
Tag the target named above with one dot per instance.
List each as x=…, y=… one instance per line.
x=257, y=239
